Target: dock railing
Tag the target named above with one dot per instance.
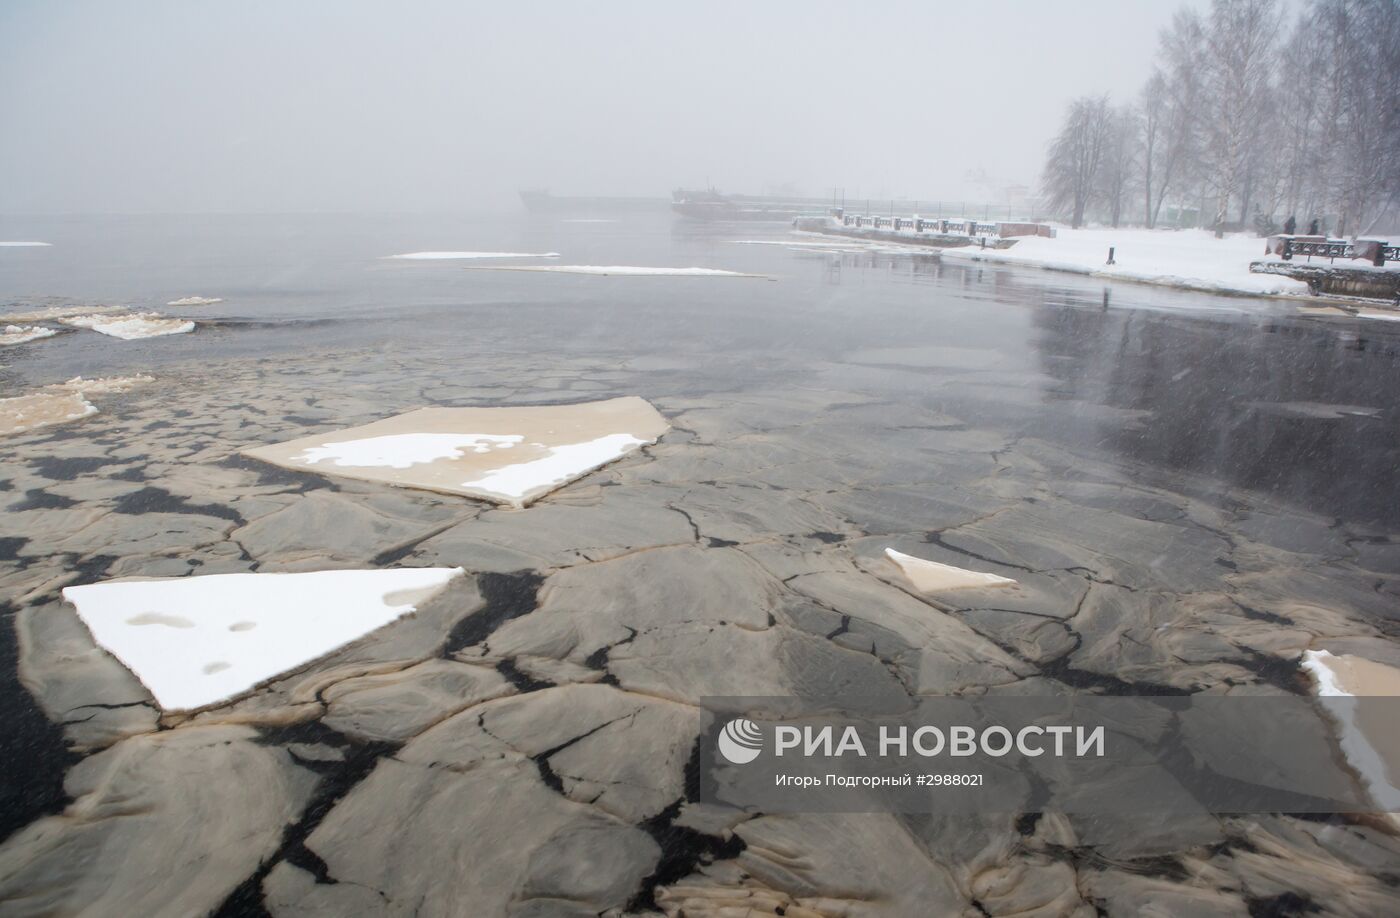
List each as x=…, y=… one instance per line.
x=1377, y=252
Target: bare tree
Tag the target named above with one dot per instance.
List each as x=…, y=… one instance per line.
x=1076, y=156
x=1174, y=94
x=1240, y=41
x=1119, y=163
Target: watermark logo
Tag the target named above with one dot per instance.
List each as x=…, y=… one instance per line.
x=740, y=741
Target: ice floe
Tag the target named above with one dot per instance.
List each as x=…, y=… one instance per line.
x=450, y=256
x=629, y=271
x=197, y=641
x=40, y=409
x=506, y=455
x=932, y=577
x=22, y=334
x=22, y=244
x=132, y=326
x=59, y=403
x=196, y=301
x=1368, y=736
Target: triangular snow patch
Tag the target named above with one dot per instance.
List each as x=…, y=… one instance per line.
x=931, y=577
x=196, y=641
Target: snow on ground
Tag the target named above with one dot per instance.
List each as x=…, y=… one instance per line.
x=196, y=301
x=1191, y=259
x=505, y=455
x=1368, y=737
x=132, y=326
x=22, y=334
x=932, y=577
x=449, y=256
x=22, y=244
x=197, y=641
x=629, y=271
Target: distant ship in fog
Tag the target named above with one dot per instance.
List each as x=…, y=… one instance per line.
x=542, y=202
x=711, y=205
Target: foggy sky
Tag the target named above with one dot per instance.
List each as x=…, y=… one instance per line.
x=305, y=106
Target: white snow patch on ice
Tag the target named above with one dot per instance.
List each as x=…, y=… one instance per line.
x=196, y=301
x=22, y=244
x=563, y=463
x=449, y=256
x=930, y=576
x=630, y=271
x=188, y=639
x=21, y=334
x=131, y=327
x=400, y=451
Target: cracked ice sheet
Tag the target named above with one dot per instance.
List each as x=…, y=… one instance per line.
x=199, y=641
x=506, y=455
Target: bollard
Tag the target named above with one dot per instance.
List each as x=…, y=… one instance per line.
x=1110, y=256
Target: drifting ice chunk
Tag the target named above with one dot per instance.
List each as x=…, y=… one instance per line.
x=506, y=455
x=59, y=403
x=629, y=271
x=449, y=256
x=932, y=577
x=198, y=641
x=196, y=301
x=1368, y=736
x=133, y=326
x=22, y=244
x=22, y=334
x=40, y=409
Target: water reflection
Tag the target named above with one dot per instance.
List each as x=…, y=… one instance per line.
x=1242, y=399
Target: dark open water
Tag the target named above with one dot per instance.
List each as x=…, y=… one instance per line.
x=1222, y=388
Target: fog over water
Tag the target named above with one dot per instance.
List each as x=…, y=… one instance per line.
x=434, y=106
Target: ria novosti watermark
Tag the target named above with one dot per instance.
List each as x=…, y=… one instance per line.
x=1276, y=753
x=741, y=740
